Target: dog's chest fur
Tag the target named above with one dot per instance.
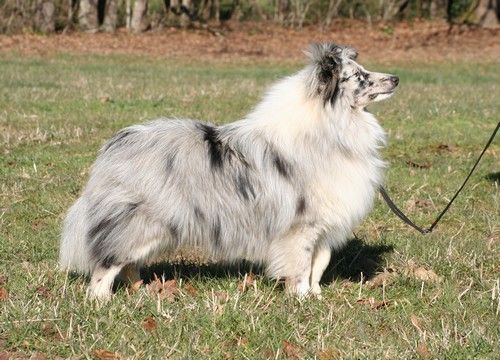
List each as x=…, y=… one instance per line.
x=342, y=182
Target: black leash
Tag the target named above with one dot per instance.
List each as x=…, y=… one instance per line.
x=428, y=230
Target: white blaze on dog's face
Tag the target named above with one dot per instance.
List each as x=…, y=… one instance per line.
x=363, y=87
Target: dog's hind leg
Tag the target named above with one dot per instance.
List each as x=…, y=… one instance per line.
x=290, y=257
x=320, y=261
x=102, y=280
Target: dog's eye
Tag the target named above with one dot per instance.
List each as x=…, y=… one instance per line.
x=347, y=77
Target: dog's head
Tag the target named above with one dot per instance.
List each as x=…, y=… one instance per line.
x=337, y=75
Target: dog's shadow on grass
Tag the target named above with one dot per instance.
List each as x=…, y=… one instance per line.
x=354, y=261
x=493, y=177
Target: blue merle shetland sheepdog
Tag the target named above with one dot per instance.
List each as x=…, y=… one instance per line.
x=281, y=187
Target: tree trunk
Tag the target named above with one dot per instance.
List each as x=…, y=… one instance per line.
x=236, y=11
x=70, y=21
x=216, y=12
x=433, y=9
x=45, y=16
x=487, y=14
x=300, y=12
x=282, y=10
x=128, y=14
x=87, y=16
x=110, y=16
x=256, y=8
x=332, y=12
x=139, y=21
x=186, y=8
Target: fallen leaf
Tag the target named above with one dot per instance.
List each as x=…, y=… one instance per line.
x=107, y=355
x=51, y=332
x=242, y=341
x=382, y=278
x=416, y=322
x=3, y=279
x=17, y=355
x=374, y=304
x=37, y=224
x=423, y=351
x=247, y=282
x=268, y=354
x=4, y=294
x=424, y=274
x=221, y=296
x=446, y=147
x=346, y=284
x=43, y=291
x=149, y=323
x=133, y=288
x=190, y=289
x=291, y=350
x=165, y=290
x=38, y=356
x=421, y=273
x=423, y=203
x=329, y=354
x=413, y=164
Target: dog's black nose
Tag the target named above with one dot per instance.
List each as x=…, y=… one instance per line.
x=394, y=80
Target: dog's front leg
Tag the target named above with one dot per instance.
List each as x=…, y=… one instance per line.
x=320, y=261
x=290, y=258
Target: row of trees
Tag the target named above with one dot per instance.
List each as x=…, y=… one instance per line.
x=140, y=15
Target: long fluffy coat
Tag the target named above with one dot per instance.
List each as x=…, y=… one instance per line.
x=280, y=187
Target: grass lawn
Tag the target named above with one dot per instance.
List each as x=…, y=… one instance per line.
x=440, y=298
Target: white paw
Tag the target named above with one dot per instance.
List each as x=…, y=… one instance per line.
x=302, y=289
x=316, y=291
x=298, y=288
x=99, y=293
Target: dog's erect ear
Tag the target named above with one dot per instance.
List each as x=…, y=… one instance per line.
x=328, y=53
x=350, y=53
x=328, y=58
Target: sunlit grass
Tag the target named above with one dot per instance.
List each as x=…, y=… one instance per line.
x=56, y=112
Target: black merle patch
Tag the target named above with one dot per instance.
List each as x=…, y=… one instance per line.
x=301, y=206
x=174, y=232
x=109, y=261
x=329, y=64
x=118, y=140
x=244, y=186
x=199, y=214
x=98, y=234
x=169, y=162
x=215, y=148
x=216, y=234
x=283, y=167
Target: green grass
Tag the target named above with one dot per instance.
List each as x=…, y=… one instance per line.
x=55, y=112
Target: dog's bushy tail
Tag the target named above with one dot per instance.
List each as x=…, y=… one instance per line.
x=74, y=252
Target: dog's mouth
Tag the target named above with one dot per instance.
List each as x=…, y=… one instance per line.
x=384, y=94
